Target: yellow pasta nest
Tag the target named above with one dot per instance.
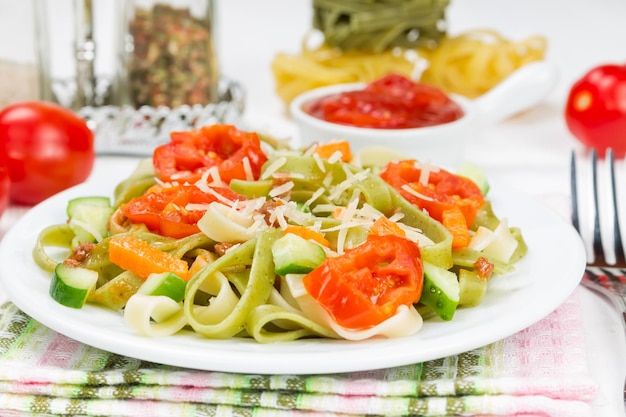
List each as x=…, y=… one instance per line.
x=474, y=62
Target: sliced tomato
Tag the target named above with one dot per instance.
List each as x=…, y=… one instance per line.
x=165, y=210
x=190, y=154
x=365, y=285
x=440, y=191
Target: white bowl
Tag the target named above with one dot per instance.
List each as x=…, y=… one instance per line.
x=442, y=144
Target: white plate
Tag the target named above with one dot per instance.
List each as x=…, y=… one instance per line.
x=542, y=281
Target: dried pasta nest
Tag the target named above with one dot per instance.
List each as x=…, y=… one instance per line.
x=379, y=25
x=473, y=62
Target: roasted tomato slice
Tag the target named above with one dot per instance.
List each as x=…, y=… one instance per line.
x=439, y=192
x=189, y=154
x=167, y=210
x=365, y=285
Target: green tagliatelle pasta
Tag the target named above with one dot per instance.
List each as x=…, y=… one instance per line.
x=380, y=25
x=254, y=259
x=233, y=287
x=59, y=236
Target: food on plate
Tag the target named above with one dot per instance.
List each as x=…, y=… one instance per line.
x=380, y=25
x=595, y=111
x=473, y=62
x=46, y=148
x=310, y=244
x=391, y=102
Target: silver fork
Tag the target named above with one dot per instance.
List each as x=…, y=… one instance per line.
x=606, y=270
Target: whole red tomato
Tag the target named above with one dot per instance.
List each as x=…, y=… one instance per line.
x=46, y=149
x=596, y=109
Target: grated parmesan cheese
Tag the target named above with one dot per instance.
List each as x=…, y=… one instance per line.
x=396, y=217
x=335, y=157
x=425, y=169
x=317, y=194
x=281, y=189
x=412, y=191
x=216, y=179
x=328, y=180
x=290, y=175
x=346, y=184
x=247, y=168
x=273, y=167
x=278, y=215
x=217, y=195
x=346, y=223
x=320, y=162
x=309, y=151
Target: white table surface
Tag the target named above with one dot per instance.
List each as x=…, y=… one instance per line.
x=529, y=151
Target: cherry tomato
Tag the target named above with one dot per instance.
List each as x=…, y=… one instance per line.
x=190, y=154
x=164, y=210
x=365, y=285
x=391, y=102
x=46, y=148
x=595, y=112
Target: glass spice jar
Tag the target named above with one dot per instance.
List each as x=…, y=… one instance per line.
x=168, y=54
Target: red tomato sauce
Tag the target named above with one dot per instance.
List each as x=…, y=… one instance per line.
x=391, y=102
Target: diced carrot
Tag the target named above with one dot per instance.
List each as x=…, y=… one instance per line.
x=383, y=226
x=453, y=220
x=328, y=149
x=339, y=212
x=200, y=261
x=141, y=258
x=308, y=234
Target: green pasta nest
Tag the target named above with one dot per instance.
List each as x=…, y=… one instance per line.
x=379, y=25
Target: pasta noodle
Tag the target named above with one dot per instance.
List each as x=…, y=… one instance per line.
x=472, y=63
x=154, y=316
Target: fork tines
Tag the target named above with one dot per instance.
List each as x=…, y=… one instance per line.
x=599, y=253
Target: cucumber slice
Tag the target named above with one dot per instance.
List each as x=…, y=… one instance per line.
x=295, y=255
x=89, y=218
x=71, y=285
x=472, y=288
x=74, y=203
x=441, y=291
x=167, y=283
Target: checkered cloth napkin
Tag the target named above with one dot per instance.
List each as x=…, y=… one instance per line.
x=541, y=371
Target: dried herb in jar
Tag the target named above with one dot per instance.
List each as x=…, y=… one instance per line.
x=173, y=61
